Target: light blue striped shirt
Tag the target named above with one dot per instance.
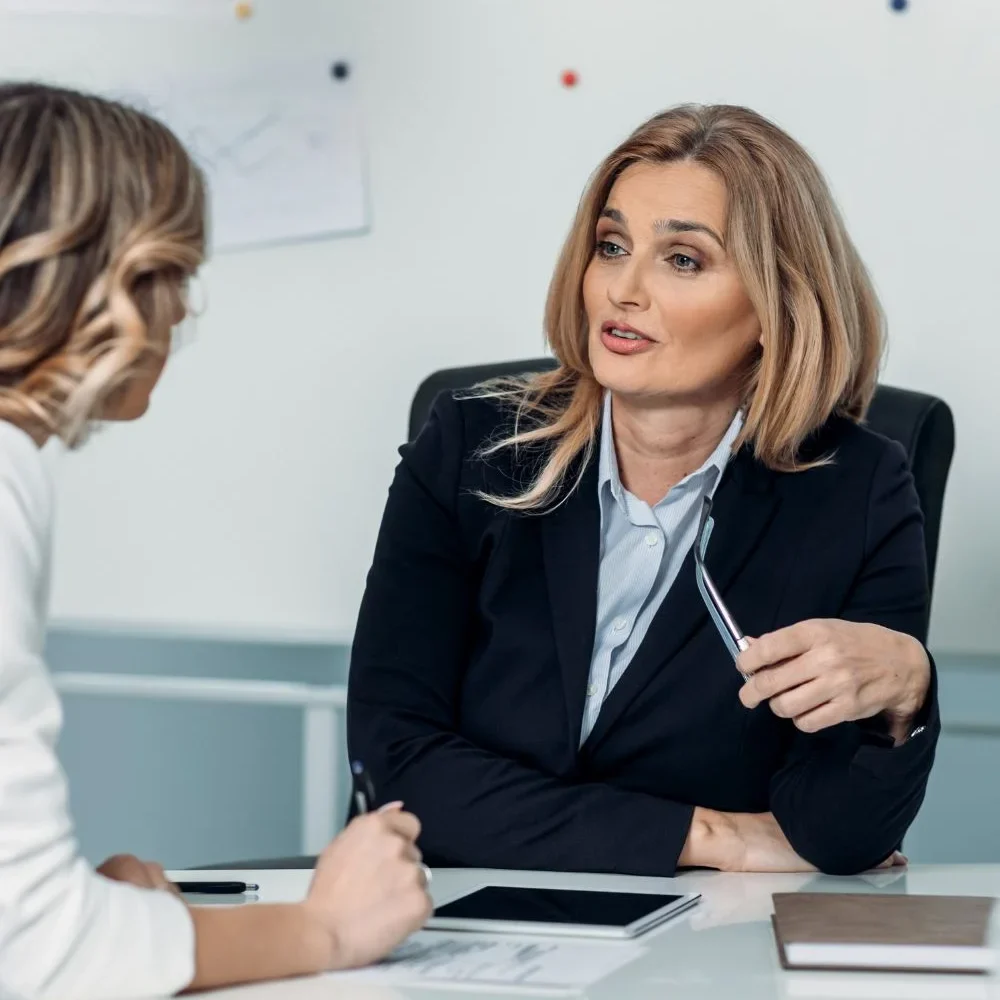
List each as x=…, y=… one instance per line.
x=642, y=549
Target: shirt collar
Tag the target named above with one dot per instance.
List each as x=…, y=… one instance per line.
x=608, y=461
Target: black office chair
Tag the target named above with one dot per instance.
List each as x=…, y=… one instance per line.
x=922, y=424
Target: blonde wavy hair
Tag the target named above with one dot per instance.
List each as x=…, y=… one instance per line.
x=822, y=326
x=102, y=221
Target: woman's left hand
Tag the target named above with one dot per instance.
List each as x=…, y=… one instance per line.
x=821, y=672
x=129, y=868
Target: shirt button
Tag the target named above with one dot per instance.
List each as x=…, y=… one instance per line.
x=619, y=624
x=592, y=690
x=652, y=539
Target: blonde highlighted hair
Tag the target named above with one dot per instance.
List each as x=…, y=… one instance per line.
x=102, y=220
x=822, y=327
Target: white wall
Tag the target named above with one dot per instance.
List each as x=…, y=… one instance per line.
x=250, y=497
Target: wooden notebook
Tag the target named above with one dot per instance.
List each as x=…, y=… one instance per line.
x=832, y=930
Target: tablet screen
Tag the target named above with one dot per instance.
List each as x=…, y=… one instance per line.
x=554, y=906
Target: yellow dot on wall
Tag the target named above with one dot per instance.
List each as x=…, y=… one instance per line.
x=243, y=10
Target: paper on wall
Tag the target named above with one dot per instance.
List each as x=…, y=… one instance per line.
x=282, y=152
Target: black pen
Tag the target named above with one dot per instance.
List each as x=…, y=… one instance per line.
x=364, y=790
x=217, y=888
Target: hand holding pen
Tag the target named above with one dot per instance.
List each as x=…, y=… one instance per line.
x=370, y=888
x=364, y=802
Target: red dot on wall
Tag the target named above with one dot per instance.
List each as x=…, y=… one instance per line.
x=570, y=78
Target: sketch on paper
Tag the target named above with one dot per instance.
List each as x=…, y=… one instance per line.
x=283, y=157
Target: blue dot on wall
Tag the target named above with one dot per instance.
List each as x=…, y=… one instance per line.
x=899, y=5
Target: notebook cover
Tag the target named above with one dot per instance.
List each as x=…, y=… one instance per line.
x=854, y=918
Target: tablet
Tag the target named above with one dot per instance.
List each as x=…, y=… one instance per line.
x=576, y=912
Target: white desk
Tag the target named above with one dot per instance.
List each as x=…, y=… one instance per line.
x=722, y=950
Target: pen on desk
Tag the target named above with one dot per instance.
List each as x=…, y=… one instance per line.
x=217, y=888
x=364, y=790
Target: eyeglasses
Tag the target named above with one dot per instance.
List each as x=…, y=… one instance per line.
x=732, y=634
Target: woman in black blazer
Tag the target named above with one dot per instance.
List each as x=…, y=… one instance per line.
x=535, y=672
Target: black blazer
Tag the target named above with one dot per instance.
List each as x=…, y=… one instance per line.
x=473, y=649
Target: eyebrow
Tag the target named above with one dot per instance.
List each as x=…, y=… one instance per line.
x=667, y=225
x=686, y=226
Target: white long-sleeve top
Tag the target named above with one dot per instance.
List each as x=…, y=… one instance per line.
x=65, y=931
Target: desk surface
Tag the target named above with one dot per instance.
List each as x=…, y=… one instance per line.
x=722, y=950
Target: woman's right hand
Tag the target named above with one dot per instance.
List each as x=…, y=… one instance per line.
x=753, y=842
x=369, y=891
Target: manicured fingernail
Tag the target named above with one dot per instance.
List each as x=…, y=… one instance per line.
x=391, y=807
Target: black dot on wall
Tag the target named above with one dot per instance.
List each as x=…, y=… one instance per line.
x=899, y=5
x=340, y=71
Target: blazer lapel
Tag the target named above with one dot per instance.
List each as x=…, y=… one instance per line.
x=571, y=551
x=744, y=505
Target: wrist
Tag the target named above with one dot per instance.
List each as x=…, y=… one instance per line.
x=917, y=682
x=245, y=944
x=321, y=948
x=713, y=841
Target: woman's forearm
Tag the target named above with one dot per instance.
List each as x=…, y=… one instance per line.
x=243, y=944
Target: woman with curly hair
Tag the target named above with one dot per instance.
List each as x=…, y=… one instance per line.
x=102, y=223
